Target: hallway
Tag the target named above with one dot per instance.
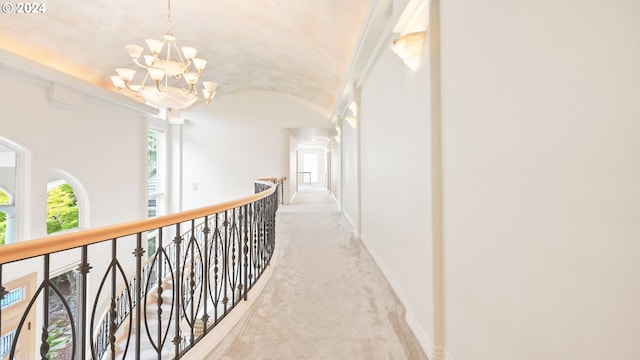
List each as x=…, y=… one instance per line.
x=326, y=298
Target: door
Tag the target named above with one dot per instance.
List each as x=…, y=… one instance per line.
x=14, y=305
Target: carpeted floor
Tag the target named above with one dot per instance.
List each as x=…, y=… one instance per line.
x=326, y=298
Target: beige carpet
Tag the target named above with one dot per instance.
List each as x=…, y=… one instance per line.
x=326, y=298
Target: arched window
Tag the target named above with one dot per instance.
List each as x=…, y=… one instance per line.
x=5, y=201
x=62, y=207
x=8, y=162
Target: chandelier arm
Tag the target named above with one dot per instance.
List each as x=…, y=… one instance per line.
x=206, y=101
x=131, y=94
x=126, y=84
x=144, y=81
x=182, y=59
x=139, y=64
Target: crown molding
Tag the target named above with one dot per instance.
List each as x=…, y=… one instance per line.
x=375, y=37
x=64, y=89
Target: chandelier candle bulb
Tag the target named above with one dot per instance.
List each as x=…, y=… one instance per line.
x=199, y=63
x=155, y=46
x=125, y=74
x=189, y=52
x=191, y=78
x=149, y=59
x=134, y=50
x=210, y=86
x=118, y=82
x=156, y=74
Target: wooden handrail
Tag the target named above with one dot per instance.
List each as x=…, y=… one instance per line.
x=67, y=241
x=273, y=180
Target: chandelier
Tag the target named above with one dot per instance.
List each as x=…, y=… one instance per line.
x=172, y=76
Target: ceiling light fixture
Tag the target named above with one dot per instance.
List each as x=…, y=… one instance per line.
x=173, y=80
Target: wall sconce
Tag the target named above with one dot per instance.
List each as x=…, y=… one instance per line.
x=412, y=25
x=409, y=48
x=353, y=118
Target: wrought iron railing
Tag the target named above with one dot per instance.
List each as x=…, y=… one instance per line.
x=206, y=262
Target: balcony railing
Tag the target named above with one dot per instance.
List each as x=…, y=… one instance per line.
x=205, y=263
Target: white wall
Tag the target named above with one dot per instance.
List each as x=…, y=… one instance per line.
x=335, y=169
x=541, y=193
x=540, y=180
x=396, y=193
x=98, y=144
x=237, y=139
x=292, y=178
x=349, y=171
x=79, y=131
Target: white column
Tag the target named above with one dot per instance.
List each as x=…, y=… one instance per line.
x=10, y=230
x=174, y=166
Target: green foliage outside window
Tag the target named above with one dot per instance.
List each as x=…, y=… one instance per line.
x=4, y=199
x=62, y=209
x=3, y=227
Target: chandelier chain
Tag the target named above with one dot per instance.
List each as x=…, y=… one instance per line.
x=170, y=31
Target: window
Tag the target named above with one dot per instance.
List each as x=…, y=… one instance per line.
x=155, y=191
x=62, y=207
x=4, y=200
x=155, y=183
x=310, y=162
x=8, y=167
x=12, y=297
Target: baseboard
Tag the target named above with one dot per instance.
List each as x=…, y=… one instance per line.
x=433, y=352
x=337, y=201
x=354, y=231
x=387, y=274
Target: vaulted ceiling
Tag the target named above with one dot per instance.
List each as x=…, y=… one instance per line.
x=297, y=47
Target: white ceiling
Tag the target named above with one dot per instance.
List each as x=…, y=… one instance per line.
x=298, y=47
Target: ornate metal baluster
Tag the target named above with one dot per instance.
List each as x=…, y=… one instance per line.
x=82, y=271
x=138, y=252
x=205, y=283
x=177, y=338
x=112, y=306
x=44, y=346
x=249, y=233
x=233, y=269
x=225, y=260
x=159, y=301
x=245, y=249
x=3, y=293
x=192, y=281
x=216, y=268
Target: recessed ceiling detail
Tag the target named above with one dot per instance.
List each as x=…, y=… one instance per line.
x=299, y=48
